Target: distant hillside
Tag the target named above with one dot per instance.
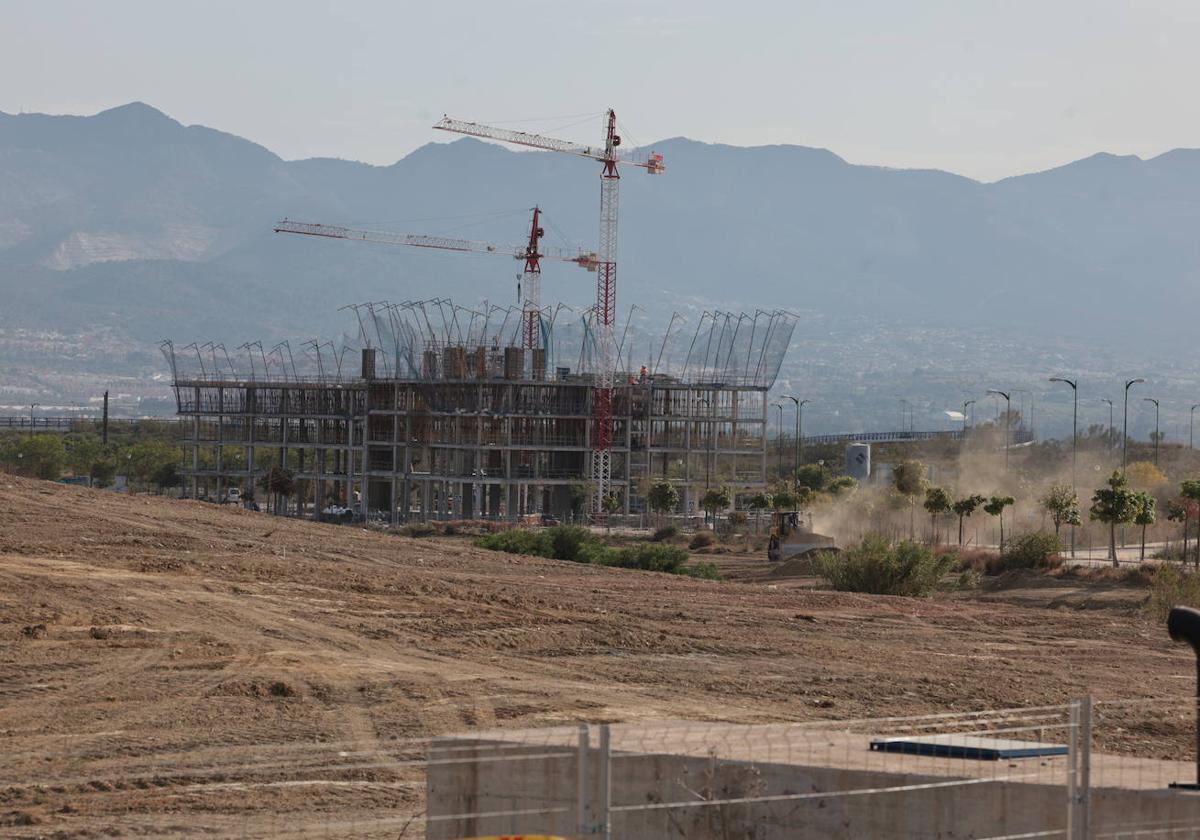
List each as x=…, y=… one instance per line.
x=132, y=218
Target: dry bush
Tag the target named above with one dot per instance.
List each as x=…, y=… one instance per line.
x=702, y=539
x=1173, y=587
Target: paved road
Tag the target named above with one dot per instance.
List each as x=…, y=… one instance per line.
x=1097, y=555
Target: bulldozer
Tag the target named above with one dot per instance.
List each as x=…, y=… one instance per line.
x=791, y=537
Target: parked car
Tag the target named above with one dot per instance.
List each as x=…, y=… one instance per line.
x=337, y=513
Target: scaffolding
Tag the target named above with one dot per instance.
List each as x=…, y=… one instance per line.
x=431, y=410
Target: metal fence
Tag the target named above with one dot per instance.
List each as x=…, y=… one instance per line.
x=1082, y=769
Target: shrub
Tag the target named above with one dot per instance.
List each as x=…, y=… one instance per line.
x=704, y=571
x=702, y=539
x=1031, y=551
x=648, y=556
x=517, y=541
x=1173, y=587
x=975, y=560
x=417, y=529
x=666, y=533
x=877, y=567
x=567, y=541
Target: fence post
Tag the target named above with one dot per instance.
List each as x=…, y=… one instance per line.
x=1079, y=750
x=605, y=794
x=1083, y=790
x=1072, y=771
x=583, y=799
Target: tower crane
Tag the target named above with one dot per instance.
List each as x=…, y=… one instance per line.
x=606, y=277
x=531, y=253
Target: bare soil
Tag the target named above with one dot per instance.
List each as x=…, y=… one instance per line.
x=150, y=647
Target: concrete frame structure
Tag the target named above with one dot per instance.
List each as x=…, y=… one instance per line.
x=469, y=446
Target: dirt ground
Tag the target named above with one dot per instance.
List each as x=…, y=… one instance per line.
x=166, y=665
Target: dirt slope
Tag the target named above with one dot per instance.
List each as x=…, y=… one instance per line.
x=140, y=635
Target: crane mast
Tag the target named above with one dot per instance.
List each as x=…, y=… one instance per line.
x=606, y=307
x=606, y=277
x=531, y=283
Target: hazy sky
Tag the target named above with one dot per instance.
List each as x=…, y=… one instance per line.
x=984, y=88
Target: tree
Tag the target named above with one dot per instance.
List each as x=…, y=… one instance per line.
x=1063, y=506
x=995, y=507
x=581, y=495
x=610, y=505
x=963, y=508
x=909, y=480
x=715, y=500
x=812, y=476
x=1143, y=475
x=662, y=497
x=937, y=503
x=167, y=475
x=1114, y=505
x=1190, y=490
x=147, y=457
x=280, y=483
x=1179, y=510
x=1144, y=515
x=758, y=503
x=784, y=498
x=103, y=472
x=43, y=455
x=843, y=485
x=83, y=452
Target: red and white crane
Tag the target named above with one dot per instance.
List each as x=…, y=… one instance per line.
x=606, y=278
x=532, y=253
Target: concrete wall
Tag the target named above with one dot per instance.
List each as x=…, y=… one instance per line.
x=532, y=778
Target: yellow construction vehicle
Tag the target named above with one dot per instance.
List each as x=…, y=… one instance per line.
x=791, y=536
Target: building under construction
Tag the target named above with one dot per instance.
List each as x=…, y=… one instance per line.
x=435, y=411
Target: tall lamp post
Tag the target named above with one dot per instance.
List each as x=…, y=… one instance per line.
x=966, y=405
x=799, y=428
x=1125, y=428
x=1191, y=424
x=779, y=445
x=1110, y=421
x=32, y=406
x=1074, y=383
x=1007, y=421
x=1152, y=400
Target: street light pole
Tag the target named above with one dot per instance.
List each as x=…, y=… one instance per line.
x=1110, y=421
x=966, y=405
x=1074, y=383
x=796, y=460
x=779, y=439
x=1191, y=424
x=1152, y=400
x=32, y=406
x=1007, y=422
x=1125, y=429
x=800, y=427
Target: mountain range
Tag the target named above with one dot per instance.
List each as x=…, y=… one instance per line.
x=163, y=229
